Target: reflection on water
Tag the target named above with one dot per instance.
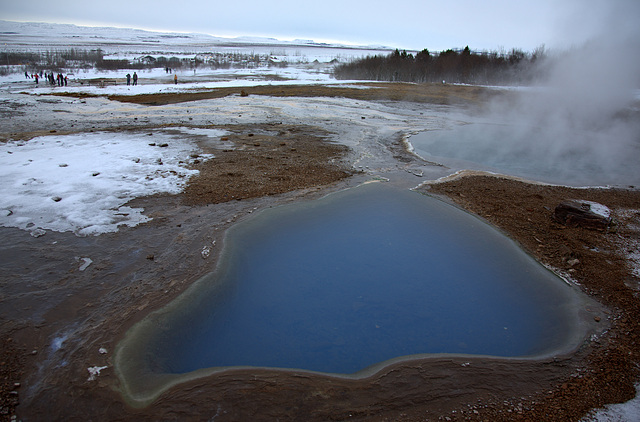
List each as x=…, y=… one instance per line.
x=571, y=157
x=357, y=278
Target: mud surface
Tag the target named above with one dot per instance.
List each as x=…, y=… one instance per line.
x=58, y=320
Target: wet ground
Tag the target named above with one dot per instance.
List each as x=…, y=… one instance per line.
x=59, y=319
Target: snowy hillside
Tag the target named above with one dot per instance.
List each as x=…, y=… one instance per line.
x=34, y=36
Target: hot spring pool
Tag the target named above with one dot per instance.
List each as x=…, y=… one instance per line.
x=572, y=157
x=355, y=279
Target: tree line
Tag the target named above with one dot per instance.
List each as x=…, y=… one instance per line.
x=455, y=66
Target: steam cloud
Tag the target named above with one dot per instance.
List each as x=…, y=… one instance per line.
x=584, y=112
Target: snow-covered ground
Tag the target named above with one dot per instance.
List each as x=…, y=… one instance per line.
x=80, y=183
x=127, y=43
x=157, y=80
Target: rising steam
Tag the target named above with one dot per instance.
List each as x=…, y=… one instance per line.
x=585, y=106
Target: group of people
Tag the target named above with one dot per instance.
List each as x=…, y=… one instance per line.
x=59, y=79
x=175, y=77
x=135, y=78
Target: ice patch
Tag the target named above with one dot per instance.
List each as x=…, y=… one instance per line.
x=101, y=172
x=213, y=133
x=94, y=371
x=57, y=342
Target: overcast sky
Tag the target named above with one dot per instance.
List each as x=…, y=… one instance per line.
x=408, y=24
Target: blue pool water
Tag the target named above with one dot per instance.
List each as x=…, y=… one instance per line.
x=357, y=278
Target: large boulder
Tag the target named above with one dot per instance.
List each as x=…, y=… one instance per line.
x=587, y=214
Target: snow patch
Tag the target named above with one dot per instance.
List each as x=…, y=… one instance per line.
x=101, y=173
x=94, y=372
x=85, y=263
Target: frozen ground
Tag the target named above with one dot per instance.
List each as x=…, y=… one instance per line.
x=80, y=183
x=48, y=183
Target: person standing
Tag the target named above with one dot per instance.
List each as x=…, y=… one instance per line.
x=175, y=79
x=135, y=78
x=36, y=78
x=128, y=79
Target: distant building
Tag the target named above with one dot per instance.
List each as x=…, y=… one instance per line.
x=145, y=59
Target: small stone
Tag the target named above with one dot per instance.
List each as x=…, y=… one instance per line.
x=596, y=318
x=95, y=173
x=150, y=257
x=85, y=263
x=102, y=351
x=573, y=262
x=163, y=145
x=56, y=199
x=63, y=165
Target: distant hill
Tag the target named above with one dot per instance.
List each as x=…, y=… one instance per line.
x=32, y=35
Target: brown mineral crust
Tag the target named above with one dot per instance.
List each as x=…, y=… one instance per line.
x=595, y=259
x=432, y=93
x=263, y=164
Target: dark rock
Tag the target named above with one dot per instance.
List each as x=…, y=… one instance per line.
x=576, y=213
